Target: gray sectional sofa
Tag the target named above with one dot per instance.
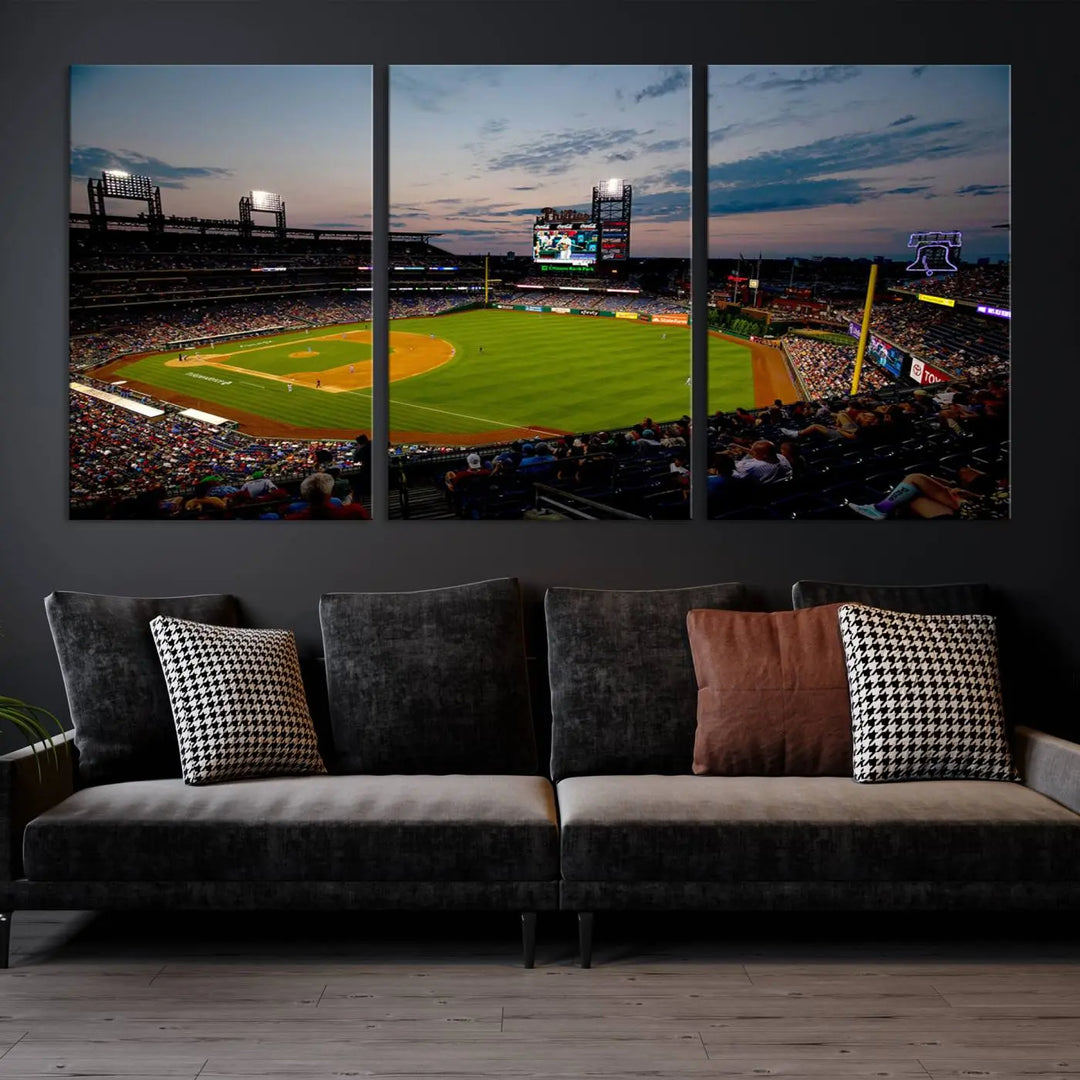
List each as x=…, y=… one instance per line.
x=639, y=833
x=434, y=800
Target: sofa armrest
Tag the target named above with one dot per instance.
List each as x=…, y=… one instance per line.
x=1049, y=765
x=24, y=794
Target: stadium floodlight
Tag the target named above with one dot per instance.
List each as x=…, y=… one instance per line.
x=613, y=186
x=117, y=184
x=266, y=200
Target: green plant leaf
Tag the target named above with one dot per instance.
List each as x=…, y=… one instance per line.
x=26, y=719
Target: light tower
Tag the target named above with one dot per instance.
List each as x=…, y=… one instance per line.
x=267, y=202
x=611, y=201
x=117, y=184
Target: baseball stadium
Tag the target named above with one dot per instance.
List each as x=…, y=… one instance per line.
x=215, y=363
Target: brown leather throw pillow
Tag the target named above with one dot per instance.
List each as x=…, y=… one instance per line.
x=772, y=693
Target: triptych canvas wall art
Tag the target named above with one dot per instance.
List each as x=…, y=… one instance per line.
x=222, y=325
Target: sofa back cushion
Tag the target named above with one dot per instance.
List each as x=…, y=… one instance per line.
x=116, y=692
x=960, y=599
x=772, y=693
x=623, y=692
x=429, y=682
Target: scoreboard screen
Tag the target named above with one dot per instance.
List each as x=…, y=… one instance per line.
x=572, y=245
x=886, y=356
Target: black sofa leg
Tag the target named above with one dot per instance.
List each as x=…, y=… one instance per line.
x=528, y=937
x=584, y=932
x=5, y=936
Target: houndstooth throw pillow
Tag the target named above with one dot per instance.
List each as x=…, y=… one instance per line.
x=925, y=696
x=237, y=700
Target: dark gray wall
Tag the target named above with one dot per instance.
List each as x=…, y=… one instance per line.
x=279, y=570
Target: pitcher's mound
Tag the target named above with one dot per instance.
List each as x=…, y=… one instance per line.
x=303, y=353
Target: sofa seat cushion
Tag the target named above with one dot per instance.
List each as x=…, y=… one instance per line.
x=822, y=828
x=304, y=828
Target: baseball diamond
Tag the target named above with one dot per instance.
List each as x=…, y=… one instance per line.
x=466, y=378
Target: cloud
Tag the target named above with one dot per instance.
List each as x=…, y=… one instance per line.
x=917, y=71
x=859, y=151
x=525, y=187
x=673, y=178
x=666, y=145
x=804, y=80
x=334, y=225
x=746, y=81
x=480, y=232
x=674, y=79
x=89, y=161
x=662, y=206
x=903, y=120
x=623, y=155
x=492, y=212
x=906, y=190
x=787, y=195
x=800, y=177
x=493, y=127
x=721, y=133
x=555, y=153
x=775, y=118
x=982, y=189
x=432, y=91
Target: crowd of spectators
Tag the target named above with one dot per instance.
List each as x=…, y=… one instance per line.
x=985, y=284
x=123, y=464
x=649, y=459
x=96, y=291
x=405, y=305
x=805, y=442
x=175, y=250
x=965, y=344
x=94, y=340
x=595, y=301
x=100, y=336
x=826, y=369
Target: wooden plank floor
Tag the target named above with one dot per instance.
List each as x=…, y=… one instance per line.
x=219, y=996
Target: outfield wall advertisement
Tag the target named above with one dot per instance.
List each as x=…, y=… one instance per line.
x=667, y=319
x=925, y=374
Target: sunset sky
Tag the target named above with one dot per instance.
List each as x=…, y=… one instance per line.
x=826, y=160
x=849, y=160
x=476, y=151
x=208, y=135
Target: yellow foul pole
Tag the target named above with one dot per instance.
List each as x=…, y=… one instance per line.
x=486, y=280
x=865, y=332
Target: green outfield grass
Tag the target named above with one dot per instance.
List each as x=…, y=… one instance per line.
x=565, y=373
x=559, y=372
